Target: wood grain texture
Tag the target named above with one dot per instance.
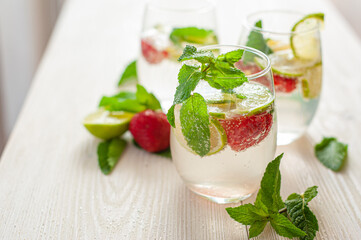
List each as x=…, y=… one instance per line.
x=50, y=184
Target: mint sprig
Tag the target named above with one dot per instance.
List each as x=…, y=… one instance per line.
x=109, y=153
x=220, y=73
x=193, y=35
x=331, y=153
x=257, y=41
x=131, y=102
x=269, y=207
x=129, y=74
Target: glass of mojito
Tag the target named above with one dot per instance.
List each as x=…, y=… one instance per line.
x=168, y=26
x=292, y=42
x=223, y=121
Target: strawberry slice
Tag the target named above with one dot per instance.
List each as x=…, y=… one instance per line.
x=284, y=84
x=246, y=131
x=150, y=53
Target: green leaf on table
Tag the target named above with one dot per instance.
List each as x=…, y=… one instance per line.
x=195, y=122
x=299, y=213
x=129, y=74
x=147, y=99
x=257, y=41
x=257, y=228
x=270, y=186
x=109, y=153
x=121, y=104
x=191, y=52
x=247, y=214
x=284, y=227
x=331, y=153
x=193, y=35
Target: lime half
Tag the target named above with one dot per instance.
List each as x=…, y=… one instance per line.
x=305, y=43
x=105, y=125
x=312, y=82
x=218, y=135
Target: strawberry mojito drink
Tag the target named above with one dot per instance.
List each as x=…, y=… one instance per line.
x=168, y=27
x=223, y=122
x=292, y=43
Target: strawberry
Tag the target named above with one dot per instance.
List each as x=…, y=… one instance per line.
x=150, y=53
x=246, y=131
x=150, y=130
x=284, y=84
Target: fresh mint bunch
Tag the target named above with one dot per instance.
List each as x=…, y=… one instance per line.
x=269, y=207
x=257, y=41
x=220, y=73
x=331, y=153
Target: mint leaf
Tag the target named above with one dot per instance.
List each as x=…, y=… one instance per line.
x=310, y=193
x=121, y=104
x=194, y=120
x=147, y=99
x=284, y=227
x=225, y=77
x=299, y=213
x=270, y=186
x=257, y=41
x=331, y=153
x=247, y=214
x=109, y=153
x=193, y=35
x=188, y=78
x=257, y=228
x=191, y=52
x=129, y=74
x=170, y=116
x=231, y=57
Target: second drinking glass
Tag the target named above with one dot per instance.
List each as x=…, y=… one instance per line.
x=292, y=42
x=167, y=27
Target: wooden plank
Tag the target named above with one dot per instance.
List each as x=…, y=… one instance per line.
x=50, y=184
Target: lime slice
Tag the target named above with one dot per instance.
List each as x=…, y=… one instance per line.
x=311, y=82
x=105, y=125
x=218, y=135
x=305, y=43
x=277, y=45
x=259, y=98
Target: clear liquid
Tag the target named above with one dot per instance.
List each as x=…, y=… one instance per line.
x=227, y=176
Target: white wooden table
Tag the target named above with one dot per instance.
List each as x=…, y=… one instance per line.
x=50, y=183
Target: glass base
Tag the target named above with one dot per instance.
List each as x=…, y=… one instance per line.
x=284, y=138
x=219, y=199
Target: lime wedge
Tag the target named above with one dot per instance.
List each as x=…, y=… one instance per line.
x=258, y=99
x=305, y=43
x=218, y=135
x=105, y=125
x=311, y=82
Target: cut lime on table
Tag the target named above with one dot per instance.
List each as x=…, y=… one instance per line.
x=218, y=135
x=105, y=125
x=305, y=42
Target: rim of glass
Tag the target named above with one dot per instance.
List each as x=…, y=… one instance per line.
x=154, y=4
x=250, y=25
x=249, y=49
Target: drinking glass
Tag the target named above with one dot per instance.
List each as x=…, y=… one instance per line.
x=243, y=131
x=160, y=47
x=296, y=62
